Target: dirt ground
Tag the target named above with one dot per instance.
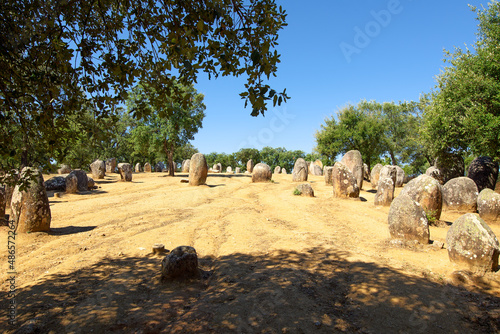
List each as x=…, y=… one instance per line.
x=272, y=263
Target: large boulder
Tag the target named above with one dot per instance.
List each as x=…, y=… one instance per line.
x=261, y=173
x=250, y=166
x=366, y=172
x=484, y=172
x=91, y=184
x=98, y=169
x=328, y=172
x=125, y=170
x=64, y=169
x=316, y=170
x=300, y=171
x=435, y=173
x=407, y=220
x=159, y=167
x=111, y=165
x=400, y=176
x=450, y=166
x=390, y=172
x=56, y=183
x=82, y=179
x=138, y=168
x=71, y=183
x=147, y=167
x=181, y=262
x=385, y=191
x=30, y=208
x=353, y=160
x=470, y=241
x=198, y=170
x=375, y=175
x=277, y=170
x=345, y=185
x=427, y=191
x=460, y=194
x=488, y=205
x=318, y=163
x=305, y=189
x=186, y=165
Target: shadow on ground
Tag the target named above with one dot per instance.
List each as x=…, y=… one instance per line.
x=317, y=291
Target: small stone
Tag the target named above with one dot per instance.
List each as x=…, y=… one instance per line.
x=181, y=262
x=184, y=180
x=158, y=248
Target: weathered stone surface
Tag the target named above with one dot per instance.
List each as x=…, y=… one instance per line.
x=328, y=172
x=30, y=209
x=71, y=183
x=138, y=168
x=250, y=166
x=261, y=173
x=299, y=173
x=219, y=167
x=111, y=165
x=2, y=206
x=316, y=170
x=400, y=176
x=470, y=241
x=353, y=160
x=98, y=169
x=125, y=170
x=366, y=172
x=488, y=205
x=385, y=191
x=427, y=191
x=91, y=184
x=181, y=262
x=82, y=179
x=147, y=167
x=237, y=170
x=484, y=172
x=64, y=169
x=388, y=171
x=229, y=169
x=435, y=173
x=159, y=167
x=277, y=170
x=305, y=190
x=407, y=220
x=186, y=165
x=57, y=183
x=460, y=194
x=198, y=170
x=450, y=166
x=344, y=183
x=375, y=175
x=318, y=163
x=283, y=170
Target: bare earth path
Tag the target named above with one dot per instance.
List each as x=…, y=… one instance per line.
x=273, y=263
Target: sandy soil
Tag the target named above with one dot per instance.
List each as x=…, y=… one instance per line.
x=272, y=262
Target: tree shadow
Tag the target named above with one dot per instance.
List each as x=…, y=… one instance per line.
x=317, y=290
x=70, y=230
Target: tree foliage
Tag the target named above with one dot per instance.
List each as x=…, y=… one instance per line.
x=464, y=114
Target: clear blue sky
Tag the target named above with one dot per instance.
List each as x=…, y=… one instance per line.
x=325, y=64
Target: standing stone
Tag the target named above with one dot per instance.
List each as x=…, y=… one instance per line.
x=366, y=172
x=283, y=171
x=460, y=194
x=2, y=206
x=186, y=165
x=111, y=165
x=390, y=172
x=305, y=189
x=353, y=160
x=407, y=220
x=450, y=166
x=385, y=192
x=181, y=262
x=147, y=167
x=250, y=166
x=488, y=205
x=30, y=208
x=219, y=167
x=426, y=191
x=64, y=169
x=159, y=167
x=237, y=170
x=91, y=184
x=300, y=172
x=261, y=173
x=198, y=170
x=277, y=170
x=138, y=168
x=71, y=184
x=318, y=163
x=98, y=169
x=57, y=183
x=229, y=169
x=125, y=170
x=471, y=241
x=316, y=170
x=82, y=179
x=484, y=172
x=328, y=172
x=435, y=173
x=375, y=175
x=400, y=176
x=344, y=183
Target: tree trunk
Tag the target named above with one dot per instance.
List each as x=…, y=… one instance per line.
x=393, y=158
x=170, y=157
